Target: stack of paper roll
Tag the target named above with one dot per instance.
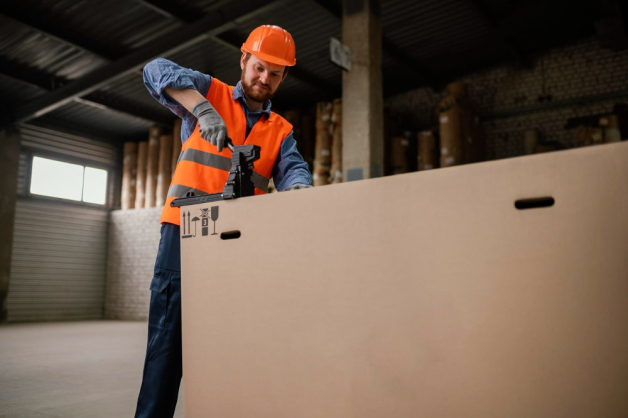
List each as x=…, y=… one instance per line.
x=140, y=181
x=336, y=146
x=152, y=166
x=324, y=135
x=451, y=120
x=129, y=172
x=428, y=155
x=459, y=130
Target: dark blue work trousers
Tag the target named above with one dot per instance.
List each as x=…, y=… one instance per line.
x=162, y=367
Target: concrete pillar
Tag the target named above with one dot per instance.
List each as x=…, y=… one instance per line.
x=362, y=92
x=9, y=163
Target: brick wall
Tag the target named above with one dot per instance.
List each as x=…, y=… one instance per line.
x=132, y=248
x=580, y=70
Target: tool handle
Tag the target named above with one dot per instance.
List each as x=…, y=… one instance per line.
x=229, y=143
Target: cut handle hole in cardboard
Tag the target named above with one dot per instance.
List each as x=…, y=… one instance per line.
x=230, y=235
x=536, y=202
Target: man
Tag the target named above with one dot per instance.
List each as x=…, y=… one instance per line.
x=212, y=112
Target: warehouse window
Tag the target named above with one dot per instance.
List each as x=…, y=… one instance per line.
x=68, y=181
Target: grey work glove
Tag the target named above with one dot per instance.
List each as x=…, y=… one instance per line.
x=298, y=186
x=211, y=125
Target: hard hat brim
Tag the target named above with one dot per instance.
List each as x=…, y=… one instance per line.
x=270, y=58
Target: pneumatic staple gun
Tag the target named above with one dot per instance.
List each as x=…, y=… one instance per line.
x=239, y=183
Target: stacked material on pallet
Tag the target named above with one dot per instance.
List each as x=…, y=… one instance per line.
x=129, y=169
x=324, y=135
x=451, y=116
x=460, y=134
x=428, y=151
x=336, y=146
x=605, y=129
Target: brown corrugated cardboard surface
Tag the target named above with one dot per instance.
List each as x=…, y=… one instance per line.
x=423, y=294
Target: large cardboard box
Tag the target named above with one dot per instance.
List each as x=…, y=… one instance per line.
x=420, y=295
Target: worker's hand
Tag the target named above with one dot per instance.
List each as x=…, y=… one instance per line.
x=298, y=186
x=210, y=124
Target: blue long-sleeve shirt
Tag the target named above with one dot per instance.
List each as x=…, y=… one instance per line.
x=161, y=74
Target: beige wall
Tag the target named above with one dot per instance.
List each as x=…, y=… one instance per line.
x=132, y=248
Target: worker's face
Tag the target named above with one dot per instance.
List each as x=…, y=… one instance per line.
x=260, y=79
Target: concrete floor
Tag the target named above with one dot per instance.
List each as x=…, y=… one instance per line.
x=72, y=369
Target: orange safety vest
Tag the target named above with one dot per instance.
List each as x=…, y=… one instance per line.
x=202, y=170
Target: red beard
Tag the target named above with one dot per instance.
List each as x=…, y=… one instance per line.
x=256, y=94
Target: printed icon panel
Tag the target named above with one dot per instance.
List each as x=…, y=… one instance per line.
x=204, y=215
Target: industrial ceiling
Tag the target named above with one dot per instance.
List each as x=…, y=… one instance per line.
x=77, y=64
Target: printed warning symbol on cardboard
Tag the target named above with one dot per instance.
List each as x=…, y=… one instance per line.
x=204, y=215
x=186, y=224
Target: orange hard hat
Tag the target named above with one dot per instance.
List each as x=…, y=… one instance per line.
x=271, y=43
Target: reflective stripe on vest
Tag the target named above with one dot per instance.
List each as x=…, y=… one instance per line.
x=206, y=158
x=202, y=170
x=219, y=162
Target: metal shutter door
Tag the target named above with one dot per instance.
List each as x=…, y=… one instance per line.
x=58, y=265
x=58, y=262
x=21, y=174
x=44, y=139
